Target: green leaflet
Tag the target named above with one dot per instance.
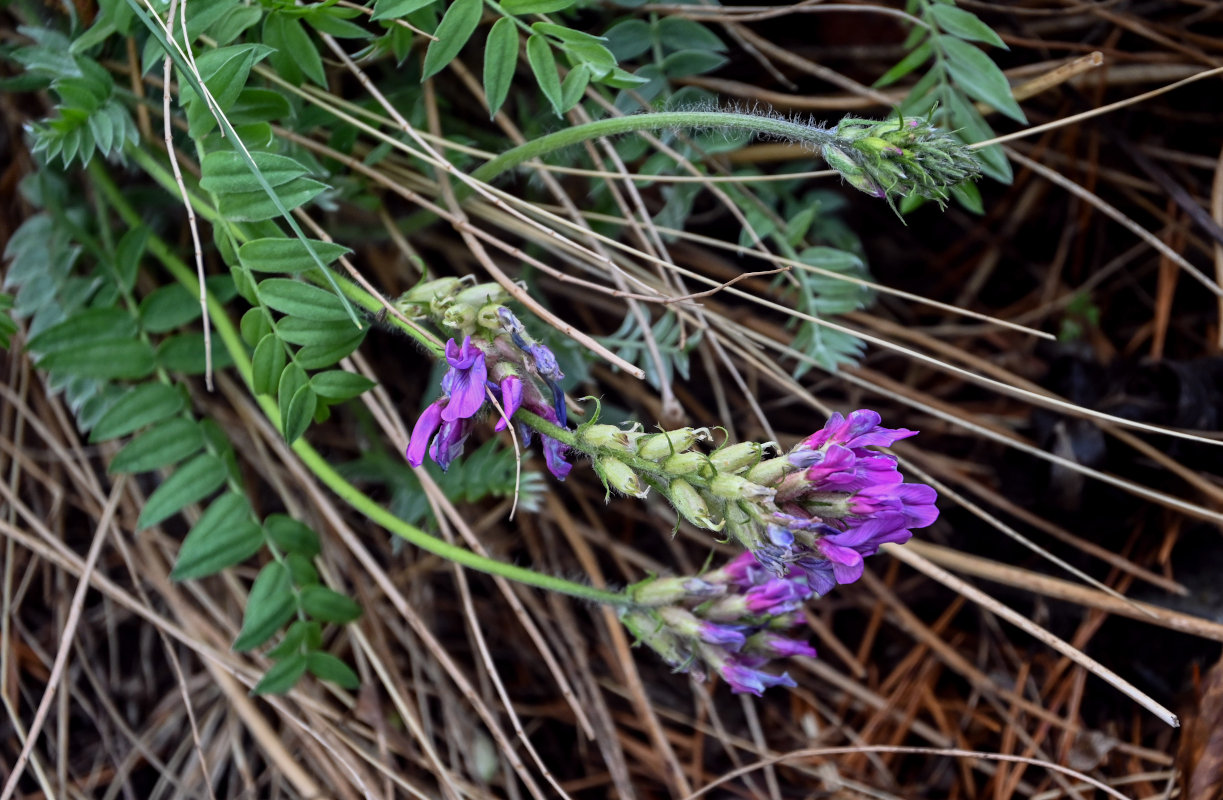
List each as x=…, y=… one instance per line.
x=192, y=482
x=328, y=605
x=269, y=606
x=302, y=300
x=140, y=406
x=500, y=59
x=283, y=255
x=457, y=25
x=225, y=535
x=167, y=443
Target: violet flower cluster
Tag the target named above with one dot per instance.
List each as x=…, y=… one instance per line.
x=808, y=519
x=495, y=359
x=731, y=621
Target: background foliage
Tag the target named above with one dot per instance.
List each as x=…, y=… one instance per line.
x=321, y=145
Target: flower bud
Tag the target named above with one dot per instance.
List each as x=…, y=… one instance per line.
x=487, y=317
x=669, y=591
x=618, y=476
x=689, y=503
x=660, y=445
x=648, y=629
x=767, y=473
x=482, y=294
x=735, y=487
x=608, y=437
x=736, y=456
x=426, y=292
x=685, y=463
x=459, y=316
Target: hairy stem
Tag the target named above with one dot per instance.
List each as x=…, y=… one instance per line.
x=659, y=120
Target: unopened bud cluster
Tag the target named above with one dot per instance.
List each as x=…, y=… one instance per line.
x=898, y=157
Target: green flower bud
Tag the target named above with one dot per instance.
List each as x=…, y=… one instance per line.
x=482, y=294
x=647, y=628
x=608, y=437
x=618, y=476
x=736, y=456
x=689, y=503
x=660, y=445
x=487, y=317
x=426, y=292
x=740, y=526
x=670, y=591
x=685, y=463
x=735, y=487
x=769, y=472
x=459, y=316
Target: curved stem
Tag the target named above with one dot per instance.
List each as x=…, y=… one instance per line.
x=659, y=120
x=327, y=474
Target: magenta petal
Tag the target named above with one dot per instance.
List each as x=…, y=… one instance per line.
x=511, y=399
x=425, y=426
x=462, y=357
x=466, y=389
x=839, y=554
x=847, y=573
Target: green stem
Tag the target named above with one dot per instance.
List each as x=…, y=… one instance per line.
x=660, y=120
x=229, y=335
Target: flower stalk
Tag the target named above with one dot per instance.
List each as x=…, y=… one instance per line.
x=891, y=158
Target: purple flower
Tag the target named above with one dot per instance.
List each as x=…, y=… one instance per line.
x=860, y=429
x=554, y=450
x=511, y=399
x=448, y=444
x=776, y=596
x=773, y=645
x=425, y=427
x=726, y=636
x=743, y=675
x=463, y=383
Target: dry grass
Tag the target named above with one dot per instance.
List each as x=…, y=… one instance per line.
x=473, y=687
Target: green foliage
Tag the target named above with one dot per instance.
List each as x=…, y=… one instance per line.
x=675, y=345
x=959, y=72
x=89, y=117
x=113, y=353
